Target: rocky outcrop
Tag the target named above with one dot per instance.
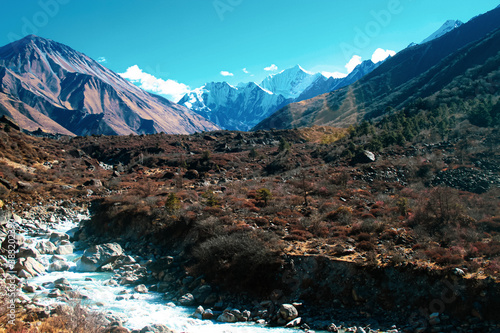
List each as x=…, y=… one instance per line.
x=98, y=256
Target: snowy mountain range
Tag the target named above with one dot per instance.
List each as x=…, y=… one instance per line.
x=244, y=106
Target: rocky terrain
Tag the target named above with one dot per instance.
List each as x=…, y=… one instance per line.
x=268, y=226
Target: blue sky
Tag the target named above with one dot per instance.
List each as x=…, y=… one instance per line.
x=177, y=45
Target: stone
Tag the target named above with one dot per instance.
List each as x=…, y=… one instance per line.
x=46, y=247
x=202, y=292
x=99, y=255
x=57, y=237
x=288, y=312
x=227, y=317
x=142, y=289
x=93, y=182
x=30, y=265
x=128, y=280
x=198, y=314
x=65, y=249
x=29, y=288
x=62, y=284
x=363, y=157
x=116, y=329
x=294, y=323
x=208, y=314
x=54, y=293
x=187, y=300
x=71, y=233
x=25, y=252
x=24, y=274
x=434, y=318
x=58, y=266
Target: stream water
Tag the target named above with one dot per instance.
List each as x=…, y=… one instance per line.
x=135, y=312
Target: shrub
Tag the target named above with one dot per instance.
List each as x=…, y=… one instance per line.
x=172, y=204
x=443, y=256
x=342, y=214
x=264, y=195
x=241, y=260
x=365, y=246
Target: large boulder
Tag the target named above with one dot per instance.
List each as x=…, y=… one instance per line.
x=65, y=249
x=29, y=265
x=363, y=157
x=25, y=252
x=288, y=312
x=187, y=300
x=57, y=237
x=99, y=255
x=46, y=247
x=58, y=265
x=227, y=317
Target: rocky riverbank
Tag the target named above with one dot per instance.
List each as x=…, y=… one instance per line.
x=317, y=293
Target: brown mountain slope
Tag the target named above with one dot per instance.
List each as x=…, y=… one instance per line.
x=418, y=71
x=49, y=85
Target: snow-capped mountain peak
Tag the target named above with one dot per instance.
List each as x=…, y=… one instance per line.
x=444, y=29
x=289, y=83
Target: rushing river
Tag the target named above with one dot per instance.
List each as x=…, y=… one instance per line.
x=135, y=312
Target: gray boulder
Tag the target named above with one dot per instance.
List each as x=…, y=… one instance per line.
x=25, y=252
x=65, y=249
x=187, y=300
x=57, y=237
x=99, y=255
x=227, y=317
x=363, y=157
x=288, y=312
x=46, y=247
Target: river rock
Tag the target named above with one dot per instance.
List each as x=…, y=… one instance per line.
x=208, y=314
x=58, y=266
x=157, y=328
x=198, y=314
x=201, y=293
x=288, y=312
x=294, y=323
x=99, y=255
x=71, y=233
x=227, y=317
x=62, y=284
x=57, y=237
x=30, y=265
x=142, y=289
x=25, y=252
x=54, y=293
x=187, y=300
x=29, y=288
x=65, y=249
x=116, y=329
x=46, y=247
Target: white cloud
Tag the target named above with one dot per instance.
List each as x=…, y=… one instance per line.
x=226, y=73
x=273, y=67
x=381, y=54
x=245, y=71
x=355, y=61
x=101, y=59
x=171, y=89
x=335, y=75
